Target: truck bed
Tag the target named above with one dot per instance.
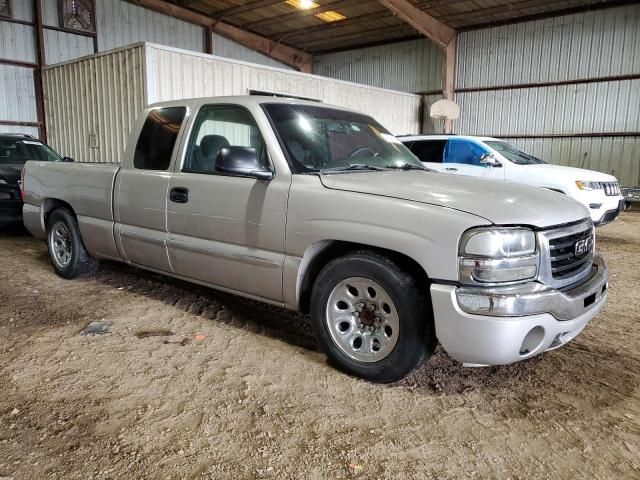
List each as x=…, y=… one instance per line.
x=86, y=187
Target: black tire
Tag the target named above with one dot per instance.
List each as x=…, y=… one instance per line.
x=416, y=338
x=80, y=263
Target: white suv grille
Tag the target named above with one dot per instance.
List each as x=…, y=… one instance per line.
x=611, y=189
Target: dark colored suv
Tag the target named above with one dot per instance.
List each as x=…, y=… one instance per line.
x=15, y=150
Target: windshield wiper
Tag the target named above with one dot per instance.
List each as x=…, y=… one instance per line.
x=354, y=166
x=407, y=166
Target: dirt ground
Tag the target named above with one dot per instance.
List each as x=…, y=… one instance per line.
x=194, y=384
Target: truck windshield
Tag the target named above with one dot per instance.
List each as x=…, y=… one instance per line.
x=321, y=139
x=17, y=151
x=514, y=154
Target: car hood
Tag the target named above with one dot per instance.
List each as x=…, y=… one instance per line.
x=11, y=173
x=499, y=202
x=572, y=174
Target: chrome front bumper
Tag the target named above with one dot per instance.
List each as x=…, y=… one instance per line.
x=494, y=326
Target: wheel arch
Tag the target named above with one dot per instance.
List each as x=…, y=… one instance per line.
x=49, y=205
x=318, y=254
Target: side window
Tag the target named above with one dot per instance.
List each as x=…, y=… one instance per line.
x=217, y=127
x=460, y=150
x=158, y=137
x=429, y=150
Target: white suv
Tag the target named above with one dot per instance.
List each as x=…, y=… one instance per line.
x=493, y=158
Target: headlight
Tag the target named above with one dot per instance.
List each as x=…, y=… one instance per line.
x=3, y=181
x=585, y=185
x=497, y=255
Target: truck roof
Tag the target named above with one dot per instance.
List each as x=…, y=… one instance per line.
x=247, y=100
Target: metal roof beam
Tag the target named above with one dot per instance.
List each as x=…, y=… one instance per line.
x=278, y=51
x=420, y=20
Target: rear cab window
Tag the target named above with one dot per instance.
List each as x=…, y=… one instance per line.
x=158, y=138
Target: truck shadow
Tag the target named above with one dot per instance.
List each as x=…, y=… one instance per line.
x=240, y=312
x=578, y=377
x=12, y=230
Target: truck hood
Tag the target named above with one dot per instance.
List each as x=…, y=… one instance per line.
x=10, y=173
x=571, y=174
x=499, y=202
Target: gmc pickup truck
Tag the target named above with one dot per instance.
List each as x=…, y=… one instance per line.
x=319, y=209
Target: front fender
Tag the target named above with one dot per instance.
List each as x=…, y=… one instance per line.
x=428, y=234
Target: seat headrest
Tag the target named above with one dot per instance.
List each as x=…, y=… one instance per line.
x=210, y=145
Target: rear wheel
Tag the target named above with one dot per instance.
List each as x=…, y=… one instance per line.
x=66, y=249
x=371, y=317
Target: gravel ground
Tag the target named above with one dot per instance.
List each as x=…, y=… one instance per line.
x=194, y=384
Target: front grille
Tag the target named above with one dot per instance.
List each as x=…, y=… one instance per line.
x=611, y=189
x=565, y=263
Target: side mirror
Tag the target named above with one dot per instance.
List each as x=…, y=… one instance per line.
x=243, y=162
x=68, y=159
x=490, y=161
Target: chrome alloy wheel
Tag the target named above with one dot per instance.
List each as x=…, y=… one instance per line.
x=362, y=319
x=60, y=245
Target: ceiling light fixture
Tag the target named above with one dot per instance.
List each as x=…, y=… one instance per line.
x=330, y=16
x=302, y=4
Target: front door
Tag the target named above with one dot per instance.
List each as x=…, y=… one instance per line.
x=226, y=231
x=462, y=156
x=141, y=191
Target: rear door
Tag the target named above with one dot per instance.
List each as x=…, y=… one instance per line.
x=141, y=190
x=430, y=152
x=227, y=231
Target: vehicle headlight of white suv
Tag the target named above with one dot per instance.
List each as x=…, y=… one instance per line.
x=498, y=255
x=587, y=185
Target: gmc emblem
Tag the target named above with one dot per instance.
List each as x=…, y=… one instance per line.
x=583, y=246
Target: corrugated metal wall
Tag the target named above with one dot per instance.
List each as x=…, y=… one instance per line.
x=61, y=46
x=17, y=42
x=17, y=94
x=591, y=44
x=412, y=66
x=592, y=54
x=91, y=104
x=618, y=155
x=118, y=23
x=121, y=23
x=20, y=106
x=565, y=109
x=174, y=74
x=224, y=47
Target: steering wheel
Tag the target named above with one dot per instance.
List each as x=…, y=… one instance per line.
x=360, y=150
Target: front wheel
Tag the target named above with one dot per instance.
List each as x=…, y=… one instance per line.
x=66, y=249
x=371, y=317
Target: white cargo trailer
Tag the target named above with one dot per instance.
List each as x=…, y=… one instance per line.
x=91, y=102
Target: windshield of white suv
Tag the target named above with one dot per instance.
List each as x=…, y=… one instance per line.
x=514, y=154
x=320, y=139
x=17, y=151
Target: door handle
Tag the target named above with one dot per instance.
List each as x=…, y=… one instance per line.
x=179, y=195
x=453, y=169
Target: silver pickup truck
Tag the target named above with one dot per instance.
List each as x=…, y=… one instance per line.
x=319, y=209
